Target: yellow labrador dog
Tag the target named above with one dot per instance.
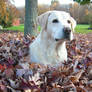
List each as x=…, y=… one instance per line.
x=50, y=45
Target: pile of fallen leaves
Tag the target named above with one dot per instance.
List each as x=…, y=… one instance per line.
x=17, y=74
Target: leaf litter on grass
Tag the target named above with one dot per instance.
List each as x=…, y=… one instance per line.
x=17, y=74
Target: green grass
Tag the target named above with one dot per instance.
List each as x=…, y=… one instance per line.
x=81, y=28
x=19, y=28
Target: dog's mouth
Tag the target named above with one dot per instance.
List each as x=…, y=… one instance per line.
x=64, y=39
x=59, y=40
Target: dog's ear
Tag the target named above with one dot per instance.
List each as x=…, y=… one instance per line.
x=42, y=20
x=73, y=23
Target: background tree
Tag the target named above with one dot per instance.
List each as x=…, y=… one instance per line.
x=7, y=13
x=30, y=17
x=90, y=15
x=43, y=8
x=83, y=1
x=3, y=12
x=54, y=4
x=21, y=14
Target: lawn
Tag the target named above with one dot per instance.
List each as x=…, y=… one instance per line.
x=19, y=28
x=81, y=28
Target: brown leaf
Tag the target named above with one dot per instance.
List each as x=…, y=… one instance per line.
x=18, y=67
x=76, y=76
x=9, y=73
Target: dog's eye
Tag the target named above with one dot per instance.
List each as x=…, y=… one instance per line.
x=55, y=21
x=69, y=21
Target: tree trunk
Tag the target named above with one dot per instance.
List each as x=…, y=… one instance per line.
x=30, y=17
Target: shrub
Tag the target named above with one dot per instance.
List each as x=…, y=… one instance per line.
x=6, y=19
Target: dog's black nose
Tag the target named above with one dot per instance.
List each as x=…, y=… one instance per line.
x=67, y=30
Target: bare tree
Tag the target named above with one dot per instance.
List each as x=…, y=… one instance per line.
x=30, y=16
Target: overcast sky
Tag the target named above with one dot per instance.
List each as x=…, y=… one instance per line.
x=19, y=3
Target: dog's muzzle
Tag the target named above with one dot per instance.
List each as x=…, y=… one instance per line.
x=67, y=32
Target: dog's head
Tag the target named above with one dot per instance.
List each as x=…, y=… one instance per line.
x=59, y=24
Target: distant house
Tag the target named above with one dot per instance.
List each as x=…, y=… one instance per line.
x=16, y=22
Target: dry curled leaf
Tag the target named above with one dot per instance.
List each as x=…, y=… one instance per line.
x=75, y=77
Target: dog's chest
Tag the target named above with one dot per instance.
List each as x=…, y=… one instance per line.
x=62, y=52
x=53, y=56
